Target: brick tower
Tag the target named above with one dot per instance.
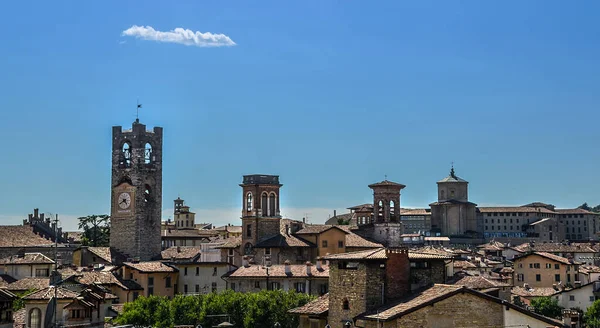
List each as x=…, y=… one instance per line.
x=387, y=228
x=260, y=209
x=136, y=197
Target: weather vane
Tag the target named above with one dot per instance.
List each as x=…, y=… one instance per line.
x=137, y=113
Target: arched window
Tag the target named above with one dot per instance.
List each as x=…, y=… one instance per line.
x=381, y=212
x=346, y=304
x=35, y=318
x=392, y=208
x=248, y=249
x=148, y=153
x=147, y=194
x=264, y=204
x=126, y=154
x=249, y=202
x=272, y=204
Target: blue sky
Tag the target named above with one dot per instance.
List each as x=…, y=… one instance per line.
x=330, y=95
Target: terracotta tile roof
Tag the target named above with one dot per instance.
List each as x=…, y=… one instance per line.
x=507, y=270
x=188, y=233
x=386, y=183
x=283, y=240
x=108, y=254
x=556, y=258
x=5, y=280
x=15, y=236
x=437, y=292
x=533, y=292
x=118, y=308
x=371, y=254
x=355, y=241
x=432, y=250
x=573, y=211
x=415, y=211
x=19, y=318
x=492, y=246
x=464, y=264
x=479, y=282
x=228, y=228
x=360, y=206
x=189, y=253
x=586, y=269
x=515, y=209
x=437, y=238
x=74, y=236
x=278, y=271
x=28, y=258
x=128, y=284
x=425, y=256
x=317, y=229
x=320, y=306
x=150, y=267
x=334, y=219
x=232, y=242
x=556, y=247
x=48, y=292
x=97, y=277
x=29, y=283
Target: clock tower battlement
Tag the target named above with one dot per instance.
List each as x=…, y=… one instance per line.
x=136, y=191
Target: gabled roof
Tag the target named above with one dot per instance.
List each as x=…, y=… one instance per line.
x=371, y=254
x=386, y=183
x=320, y=306
x=360, y=206
x=48, y=292
x=231, y=242
x=556, y=247
x=533, y=292
x=283, y=240
x=150, y=267
x=108, y=254
x=426, y=256
x=5, y=280
x=179, y=253
x=515, y=209
x=438, y=293
x=317, y=229
x=20, y=236
x=29, y=283
x=573, y=211
x=278, y=271
x=28, y=258
x=549, y=256
x=355, y=241
x=479, y=282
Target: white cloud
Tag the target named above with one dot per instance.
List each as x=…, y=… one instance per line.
x=181, y=36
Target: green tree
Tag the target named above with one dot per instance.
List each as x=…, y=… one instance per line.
x=96, y=230
x=592, y=315
x=585, y=206
x=256, y=310
x=547, y=306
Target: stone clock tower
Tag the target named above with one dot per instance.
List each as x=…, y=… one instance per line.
x=136, y=197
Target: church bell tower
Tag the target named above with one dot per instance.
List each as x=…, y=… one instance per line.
x=136, y=191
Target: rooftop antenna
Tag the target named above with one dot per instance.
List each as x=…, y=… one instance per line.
x=385, y=177
x=137, y=112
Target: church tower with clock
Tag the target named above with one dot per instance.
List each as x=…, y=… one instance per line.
x=136, y=194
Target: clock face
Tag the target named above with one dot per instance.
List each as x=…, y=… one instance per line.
x=124, y=200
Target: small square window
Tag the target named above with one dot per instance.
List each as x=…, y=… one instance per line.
x=341, y=244
x=324, y=243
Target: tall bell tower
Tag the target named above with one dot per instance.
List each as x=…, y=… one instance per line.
x=136, y=191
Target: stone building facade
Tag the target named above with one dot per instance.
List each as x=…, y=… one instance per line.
x=136, y=197
x=453, y=214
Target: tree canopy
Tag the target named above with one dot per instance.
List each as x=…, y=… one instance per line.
x=547, y=306
x=96, y=230
x=586, y=207
x=592, y=315
x=256, y=310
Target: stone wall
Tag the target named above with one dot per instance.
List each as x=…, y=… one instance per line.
x=434, y=273
x=461, y=310
x=139, y=234
x=389, y=234
x=348, y=285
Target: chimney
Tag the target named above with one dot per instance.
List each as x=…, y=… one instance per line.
x=288, y=268
x=318, y=262
x=245, y=261
x=308, y=270
x=327, y=261
x=334, y=213
x=36, y=211
x=526, y=286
